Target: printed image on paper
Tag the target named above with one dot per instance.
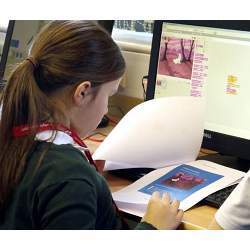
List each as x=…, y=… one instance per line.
x=181, y=182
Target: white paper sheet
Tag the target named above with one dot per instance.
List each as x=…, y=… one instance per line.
x=133, y=201
x=156, y=133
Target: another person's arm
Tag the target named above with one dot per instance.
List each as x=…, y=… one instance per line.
x=235, y=211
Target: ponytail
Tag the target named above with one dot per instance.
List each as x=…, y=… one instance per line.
x=22, y=103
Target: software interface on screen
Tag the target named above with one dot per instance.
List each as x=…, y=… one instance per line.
x=209, y=62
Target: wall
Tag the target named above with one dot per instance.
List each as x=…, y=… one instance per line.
x=130, y=92
x=137, y=59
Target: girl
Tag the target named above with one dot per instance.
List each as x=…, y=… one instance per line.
x=53, y=98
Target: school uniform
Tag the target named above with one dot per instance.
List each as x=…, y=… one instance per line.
x=64, y=192
x=235, y=211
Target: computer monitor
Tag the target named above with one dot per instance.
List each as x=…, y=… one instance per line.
x=209, y=59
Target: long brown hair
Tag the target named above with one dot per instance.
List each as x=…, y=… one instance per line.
x=64, y=53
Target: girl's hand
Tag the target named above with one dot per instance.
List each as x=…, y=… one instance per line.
x=161, y=213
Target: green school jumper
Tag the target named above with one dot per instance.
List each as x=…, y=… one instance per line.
x=65, y=192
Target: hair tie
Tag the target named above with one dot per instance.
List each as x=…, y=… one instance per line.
x=33, y=62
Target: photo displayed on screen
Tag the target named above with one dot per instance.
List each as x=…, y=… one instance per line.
x=176, y=57
x=181, y=182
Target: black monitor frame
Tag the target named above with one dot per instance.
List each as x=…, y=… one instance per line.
x=222, y=143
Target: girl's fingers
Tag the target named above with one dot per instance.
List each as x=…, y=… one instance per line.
x=156, y=195
x=166, y=199
x=175, y=204
x=179, y=215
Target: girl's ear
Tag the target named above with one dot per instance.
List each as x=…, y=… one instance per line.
x=80, y=92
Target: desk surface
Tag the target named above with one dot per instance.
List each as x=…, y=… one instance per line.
x=198, y=217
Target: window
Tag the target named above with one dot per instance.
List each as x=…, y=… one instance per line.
x=133, y=35
x=3, y=29
x=135, y=25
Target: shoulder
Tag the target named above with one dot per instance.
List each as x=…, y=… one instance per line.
x=59, y=163
x=64, y=191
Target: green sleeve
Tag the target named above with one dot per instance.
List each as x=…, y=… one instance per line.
x=145, y=226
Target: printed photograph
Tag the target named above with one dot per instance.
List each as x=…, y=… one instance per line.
x=182, y=180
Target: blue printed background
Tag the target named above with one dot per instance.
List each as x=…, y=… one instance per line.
x=180, y=193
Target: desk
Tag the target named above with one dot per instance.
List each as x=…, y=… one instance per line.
x=198, y=217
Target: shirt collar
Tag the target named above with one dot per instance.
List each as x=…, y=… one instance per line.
x=59, y=138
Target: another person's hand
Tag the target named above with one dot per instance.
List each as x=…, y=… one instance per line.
x=162, y=213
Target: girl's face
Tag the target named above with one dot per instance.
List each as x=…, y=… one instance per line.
x=91, y=104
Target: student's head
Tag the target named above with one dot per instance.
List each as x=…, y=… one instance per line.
x=72, y=69
x=77, y=66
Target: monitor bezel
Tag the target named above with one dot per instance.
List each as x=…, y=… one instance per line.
x=222, y=143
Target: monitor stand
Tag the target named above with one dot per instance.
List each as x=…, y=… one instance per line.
x=228, y=161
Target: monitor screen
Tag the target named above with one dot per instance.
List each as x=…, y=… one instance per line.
x=208, y=59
